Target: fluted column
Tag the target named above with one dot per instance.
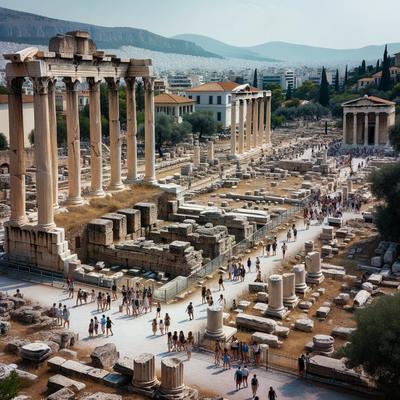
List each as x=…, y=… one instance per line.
x=210, y=152
x=171, y=376
x=261, y=122
x=74, y=143
x=268, y=121
x=255, y=123
x=313, y=264
x=366, y=129
x=354, y=128
x=215, y=326
x=376, y=133
x=131, y=130
x=233, y=127
x=249, y=117
x=144, y=372
x=344, y=127
x=289, y=295
x=241, y=126
x=149, y=132
x=53, y=139
x=17, y=151
x=44, y=184
x=96, y=151
x=115, y=134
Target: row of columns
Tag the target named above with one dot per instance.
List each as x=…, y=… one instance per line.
x=258, y=124
x=45, y=125
x=355, y=128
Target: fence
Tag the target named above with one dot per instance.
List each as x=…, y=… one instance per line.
x=166, y=293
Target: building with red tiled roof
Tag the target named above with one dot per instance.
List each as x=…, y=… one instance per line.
x=174, y=105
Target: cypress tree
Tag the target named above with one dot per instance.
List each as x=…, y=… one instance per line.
x=255, y=79
x=363, y=68
x=345, y=77
x=324, y=89
x=337, y=87
x=377, y=65
x=385, y=82
x=289, y=93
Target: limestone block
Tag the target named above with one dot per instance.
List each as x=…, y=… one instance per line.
x=262, y=297
x=62, y=394
x=124, y=366
x=148, y=213
x=342, y=299
x=100, y=231
x=255, y=287
x=119, y=225
x=75, y=368
x=375, y=279
x=58, y=382
x=361, y=298
x=282, y=331
x=102, y=396
x=323, y=344
x=323, y=312
x=253, y=322
x=54, y=363
x=133, y=219
x=260, y=307
x=115, y=380
x=304, y=324
x=305, y=305
x=368, y=286
x=342, y=332
x=266, y=338
x=376, y=261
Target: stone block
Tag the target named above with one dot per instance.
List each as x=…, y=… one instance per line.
x=148, y=213
x=115, y=380
x=375, y=279
x=54, y=363
x=105, y=356
x=102, y=396
x=97, y=374
x=133, y=219
x=58, y=382
x=266, y=338
x=282, y=331
x=304, y=324
x=119, y=225
x=255, y=287
x=323, y=312
x=62, y=394
x=262, y=297
x=253, y=322
x=342, y=332
x=75, y=368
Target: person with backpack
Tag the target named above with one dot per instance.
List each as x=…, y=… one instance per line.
x=238, y=378
x=189, y=310
x=254, y=385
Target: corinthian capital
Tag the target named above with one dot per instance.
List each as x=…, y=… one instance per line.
x=14, y=85
x=113, y=84
x=40, y=85
x=148, y=84
x=71, y=84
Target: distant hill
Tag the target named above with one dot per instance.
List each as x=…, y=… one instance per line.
x=22, y=27
x=223, y=49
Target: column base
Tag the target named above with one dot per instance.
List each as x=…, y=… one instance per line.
x=315, y=278
x=133, y=181
x=150, y=181
x=16, y=223
x=291, y=302
x=45, y=227
x=281, y=314
x=97, y=193
x=74, y=201
x=116, y=187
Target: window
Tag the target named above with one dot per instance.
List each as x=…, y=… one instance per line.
x=219, y=100
x=219, y=116
x=190, y=96
x=197, y=99
x=210, y=100
x=229, y=99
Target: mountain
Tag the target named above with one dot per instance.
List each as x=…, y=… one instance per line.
x=301, y=53
x=223, y=49
x=22, y=27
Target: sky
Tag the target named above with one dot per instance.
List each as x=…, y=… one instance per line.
x=325, y=23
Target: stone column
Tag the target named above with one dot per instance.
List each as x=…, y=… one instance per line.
x=354, y=128
x=308, y=246
x=196, y=154
x=345, y=194
x=144, y=372
x=300, y=278
x=115, y=134
x=215, y=316
x=376, y=133
x=74, y=143
x=313, y=264
x=17, y=151
x=249, y=116
x=275, y=297
x=149, y=133
x=241, y=126
x=344, y=127
x=289, y=294
x=131, y=130
x=366, y=129
x=255, y=123
x=210, y=151
x=44, y=183
x=233, y=127
x=171, y=377
x=261, y=122
x=268, y=121
x=96, y=151
x=387, y=114
x=53, y=139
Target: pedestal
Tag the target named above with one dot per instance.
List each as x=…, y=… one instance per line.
x=300, y=279
x=313, y=264
x=172, y=386
x=215, y=329
x=309, y=246
x=144, y=374
x=275, y=298
x=290, y=299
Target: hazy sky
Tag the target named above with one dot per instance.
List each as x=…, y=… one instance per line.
x=327, y=23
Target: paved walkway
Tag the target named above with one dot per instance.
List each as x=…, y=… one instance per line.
x=134, y=335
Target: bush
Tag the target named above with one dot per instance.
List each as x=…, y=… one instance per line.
x=10, y=386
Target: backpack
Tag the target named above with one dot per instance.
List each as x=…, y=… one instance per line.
x=254, y=381
x=239, y=374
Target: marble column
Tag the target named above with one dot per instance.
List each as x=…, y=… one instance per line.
x=17, y=152
x=74, y=143
x=376, y=133
x=290, y=299
x=354, y=129
x=268, y=121
x=144, y=372
x=261, y=122
x=249, y=117
x=210, y=151
x=96, y=151
x=241, y=126
x=308, y=246
x=313, y=264
x=131, y=130
x=115, y=134
x=275, y=297
x=196, y=154
x=171, y=377
x=214, y=329
x=255, y=123
x=300, y=278
x=233, y=128
x=149, y=132
x=44, y=183
x=53, y=139
x=366, y=129
x=344, y=128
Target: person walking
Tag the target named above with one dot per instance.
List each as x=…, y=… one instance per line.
x=71, y=290
x=302, y=364
x=284, y=249
x=249, y=264
x=268, y=248
x=272, y=394
x=189, y=310
x=254, y=385
x=109, y=325
x=154, y=326
x=96, y=326
x=158, y=310
x=203, y=294
x=114, y=291
x=274, y=246
x=295, y=233
x=221, y=282
x=103, y=323
x=161, y=327
x=169, y=341
x=217, y=353
x=181, y=341
x=222, y=301
x=91, y=328
x=189, y=345
x=245, y=374
x=66, y=315
x=226, y=360
x=238, y=377
x=167, y=322
x=289, y=235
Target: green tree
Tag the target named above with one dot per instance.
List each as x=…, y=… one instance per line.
x=277, y=97
x=3, y=89
x=394, y=137
x=337, y=85
x=385, y=82
x=375, y=344
x=289, y=93
x=201, y=122
x=255, y=79
x=3, y=141
x=377, y=68
x=323, y=97
x=363, y=68
x=10, y=386
x=277, y=120
x=307, y=91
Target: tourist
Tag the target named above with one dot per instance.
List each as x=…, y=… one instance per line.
x=308, y=224
x=146, y=303
x=71, y=289
x=254, y=385
x=234, y=306
x=18, y=294
x=161, y=327
x=114, y=291
x=256, y=352
x=53, y=312
x=221, y=282
x=249, y=264
x=169, y=341
x=175, y=341
x=268, y=248
x=203, y=294
x=301, y=364
x=79, y=297
x=189, y=345
x=158, y=310
x=295, y=233
x=91, y=328
x=189, y=310
x=99, y=301
x=181, y=341
x=245, y=374
x=103, y=323
x=245, y=352
x=217, y=353
x=128, y=307
x=66, y=315
x=235, y=347
x=108, y=300
x=60, y=314
x=96, y=326
x=274, y=246
x=258, y=277
x=289, y=235
x=222, y=301
x=109, y=325
x=272, y=394
x=238, y=378
x=284, y=249
x=154, y=326
x=242, y=273
x=150, y=298
x=167, y=322
x=226, y=360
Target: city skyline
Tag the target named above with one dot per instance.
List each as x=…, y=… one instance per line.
x=342, y=25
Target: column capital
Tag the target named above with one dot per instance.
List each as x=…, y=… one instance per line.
x=148, y=83
x=112, y=83
x=71, y=84
x=14, y=85
x=94, y=83
x=130, y=81
x=40, y=85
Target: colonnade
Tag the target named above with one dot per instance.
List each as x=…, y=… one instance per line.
x=256, y=132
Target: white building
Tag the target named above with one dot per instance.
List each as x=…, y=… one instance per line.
x=173, y=105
